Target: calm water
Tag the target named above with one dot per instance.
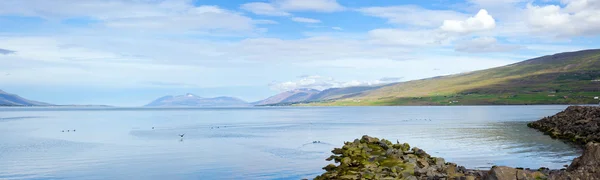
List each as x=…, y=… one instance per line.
x=258, y=143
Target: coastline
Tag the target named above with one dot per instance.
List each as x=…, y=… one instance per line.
x=372, y=158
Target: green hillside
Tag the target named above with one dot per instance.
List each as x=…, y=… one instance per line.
x=565, y=78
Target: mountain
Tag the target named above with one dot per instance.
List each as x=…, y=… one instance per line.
x=190, y=100
x=7, y=99
x=335, y=93
x=293, y=96
x=564, y=78
x=312, y=95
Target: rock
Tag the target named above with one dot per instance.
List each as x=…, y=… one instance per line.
x=420, y=171
x=579, y=124
x=422, y=163
x=337, y=151
x=523, y=175
x=420, y=152
x=587, y=166
x=411, y=178
x=439, y=161
x=502, y=173
x=329, y=167
x=590, y=157
x=372, y=158
x=368, y=139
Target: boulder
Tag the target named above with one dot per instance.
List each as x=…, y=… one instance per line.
x=590, y=158
x=502, y=173
x=587, y=166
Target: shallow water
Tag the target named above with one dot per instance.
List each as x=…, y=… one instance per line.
x=258, y=143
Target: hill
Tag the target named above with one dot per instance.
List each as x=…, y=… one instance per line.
x=7, y=99
x=564, y=78
x=190, y=100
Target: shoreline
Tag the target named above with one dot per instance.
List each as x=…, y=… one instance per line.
x=372, y=158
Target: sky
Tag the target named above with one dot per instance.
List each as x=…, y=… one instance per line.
x=130, y=52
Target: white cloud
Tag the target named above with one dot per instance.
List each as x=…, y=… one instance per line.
x=265, y=21
x=337, y=28
x=309, y=5
x=577, y=18
x=322, y=83
x=483, y=45
x=197, y=18
x=261, y=8
x=480, y=22
x=305, y=20
x=410, y=38
x=283, y=7
x=413, y=15
x=178, y=15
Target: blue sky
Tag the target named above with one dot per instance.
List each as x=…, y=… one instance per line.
x=129, y=52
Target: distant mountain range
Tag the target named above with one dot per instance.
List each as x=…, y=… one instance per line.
x=298, y=95
x=191, y=100
x=7, y=99
x=313, y=95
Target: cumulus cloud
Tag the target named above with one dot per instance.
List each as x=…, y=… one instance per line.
x=483, y=45
x=576, y=18
x=305, y=20
x=413, y=15
x=482, y=21
x=321, y=83
x=262, y=8
x=6, y=51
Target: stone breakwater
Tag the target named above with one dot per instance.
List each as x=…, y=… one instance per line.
x=373, y=158
x=578, y=124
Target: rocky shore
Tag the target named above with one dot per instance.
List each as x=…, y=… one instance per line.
x=578, y=124
x=373, y=158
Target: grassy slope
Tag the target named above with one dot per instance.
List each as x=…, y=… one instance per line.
x=544, y=80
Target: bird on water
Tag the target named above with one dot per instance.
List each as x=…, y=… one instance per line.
x=181, y=135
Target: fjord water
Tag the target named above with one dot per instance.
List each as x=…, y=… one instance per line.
x=258, y=143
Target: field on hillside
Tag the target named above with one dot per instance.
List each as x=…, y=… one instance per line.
x=565, y=78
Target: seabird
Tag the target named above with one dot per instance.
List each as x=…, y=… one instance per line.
x=68, y=130
x=63, y=130
x=181, y=135
x=73, y=130
x=152, y=127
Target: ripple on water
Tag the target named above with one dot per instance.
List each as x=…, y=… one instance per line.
x=259, y=143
